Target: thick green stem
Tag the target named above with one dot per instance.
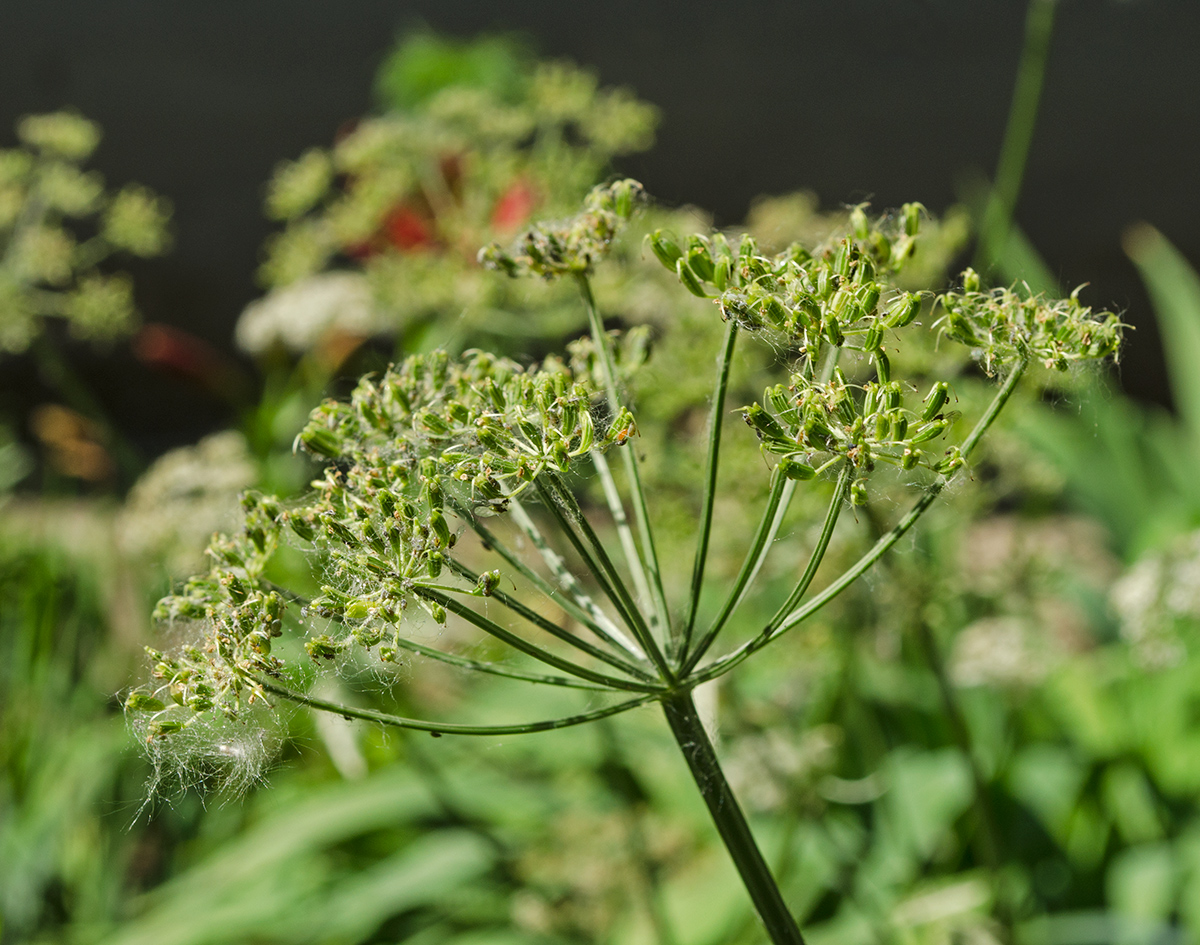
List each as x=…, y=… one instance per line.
x=730, y=822
x=710, y=486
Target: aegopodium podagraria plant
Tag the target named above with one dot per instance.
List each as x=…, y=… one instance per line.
x=425, y=460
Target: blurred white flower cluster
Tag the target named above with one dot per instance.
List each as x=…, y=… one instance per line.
x=181, y=500
x=1155, y=597
x=1033, y=575
x=300, y=316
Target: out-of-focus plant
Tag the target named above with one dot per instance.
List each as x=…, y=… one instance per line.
x=439, y=448
x=57, y=224
x=182, y=499
x=382, y=230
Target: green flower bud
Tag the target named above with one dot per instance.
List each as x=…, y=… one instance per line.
x=833, y=331
x=433, y=565
x=765, y=425
x=903, y=310
x=322, y=441
x=780, y=399
x=883, y=366
x=163, y=727
x=689, y=280
x=437, y=522
x=301, y=527
x=773, y=311
x=700, y=259
x=722, y=273
x=794, y=469
x=143, y=702
x=432, y=422
x=666, y=249
x=859, y=223
x=912, y=218
x=236, y=589
x=931, y=430
x=488, y=582
x=322, y=647
x=841, y=259
x=625, y=196
x=746, y=317
x=952, y=461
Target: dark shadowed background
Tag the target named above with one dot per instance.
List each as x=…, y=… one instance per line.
x=890, y=101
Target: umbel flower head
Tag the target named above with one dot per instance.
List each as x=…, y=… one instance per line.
x=57, y=223
x=573, y=246
x=438, y=446
x=432, y=438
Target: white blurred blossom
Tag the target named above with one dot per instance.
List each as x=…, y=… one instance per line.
x=185, y=496
x=300, y=315
x=1154, y=596
x=1000, y=651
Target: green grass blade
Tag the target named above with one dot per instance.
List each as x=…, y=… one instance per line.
x=1174, y=288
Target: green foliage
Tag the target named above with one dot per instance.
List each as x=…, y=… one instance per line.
x=425, y=64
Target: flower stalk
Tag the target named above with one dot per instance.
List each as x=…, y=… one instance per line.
x=730, y=822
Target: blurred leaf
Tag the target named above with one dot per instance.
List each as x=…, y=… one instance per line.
x=927, y=793
x=1142, y=881
x=279, y=882
x=1130, y=803
x=1174, y=289
x=425, y=64
x=1048, y=779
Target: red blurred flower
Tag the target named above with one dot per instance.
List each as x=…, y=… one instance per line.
x=514, y=208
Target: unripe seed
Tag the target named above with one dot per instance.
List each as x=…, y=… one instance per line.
x=689, y=280
x=935, y=400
